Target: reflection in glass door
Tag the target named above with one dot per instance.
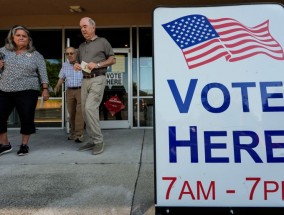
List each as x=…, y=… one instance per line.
x=114, y=109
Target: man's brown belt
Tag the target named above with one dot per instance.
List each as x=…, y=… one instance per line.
x=97, y=73
x=88, y=76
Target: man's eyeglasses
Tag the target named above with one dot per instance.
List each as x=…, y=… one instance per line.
x=69, y=53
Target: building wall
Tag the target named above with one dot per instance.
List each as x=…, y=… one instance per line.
x=103, y=19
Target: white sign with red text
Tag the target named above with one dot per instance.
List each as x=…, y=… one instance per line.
x=219, y=106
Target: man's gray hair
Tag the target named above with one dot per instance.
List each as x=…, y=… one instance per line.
x=92, y=22
x=71, y=47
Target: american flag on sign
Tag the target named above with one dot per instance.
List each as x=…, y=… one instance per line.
x=204, y=40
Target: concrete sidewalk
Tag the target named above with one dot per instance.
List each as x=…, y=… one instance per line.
x=55, y=178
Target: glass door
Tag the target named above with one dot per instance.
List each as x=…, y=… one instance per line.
x=115, y=106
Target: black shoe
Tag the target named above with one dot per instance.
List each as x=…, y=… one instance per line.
x=5, y=149
x=24, y=149
x=79, y=139
x=71, y=137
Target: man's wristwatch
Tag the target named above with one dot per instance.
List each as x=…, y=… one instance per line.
x=98, y=65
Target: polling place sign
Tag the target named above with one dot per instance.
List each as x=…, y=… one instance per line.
x=219, y=106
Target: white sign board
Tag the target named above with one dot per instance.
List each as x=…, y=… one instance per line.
x=219, y=106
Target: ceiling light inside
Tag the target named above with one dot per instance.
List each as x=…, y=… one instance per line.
x=75, y=9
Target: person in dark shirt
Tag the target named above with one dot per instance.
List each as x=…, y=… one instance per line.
x=94, y=56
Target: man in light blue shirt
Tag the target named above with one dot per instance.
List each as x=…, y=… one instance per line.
x=73, y=81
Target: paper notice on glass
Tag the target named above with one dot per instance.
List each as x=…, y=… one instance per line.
x=119, y=66
x=85, y=68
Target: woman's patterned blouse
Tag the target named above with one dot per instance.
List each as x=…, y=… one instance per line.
x=25, y=71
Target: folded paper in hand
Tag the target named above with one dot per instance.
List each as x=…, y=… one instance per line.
x=85, y=68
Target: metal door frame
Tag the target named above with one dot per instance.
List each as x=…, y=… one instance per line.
x=110, y=124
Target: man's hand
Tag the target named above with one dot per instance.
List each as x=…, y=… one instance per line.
x=77, y=67
x=56, y=89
